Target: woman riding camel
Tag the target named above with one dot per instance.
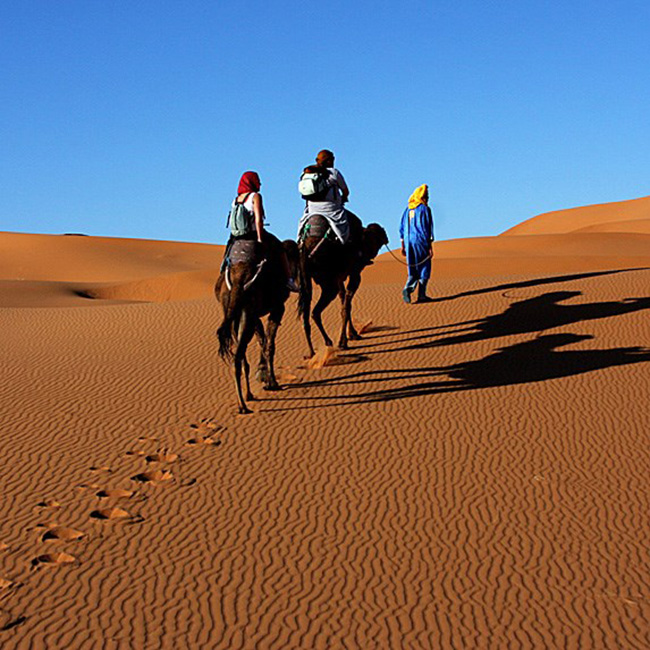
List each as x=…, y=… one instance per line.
x=416, y=233
x=252, y=217
x=342, y=222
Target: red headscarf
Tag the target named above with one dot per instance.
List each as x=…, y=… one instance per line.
x=249, y=182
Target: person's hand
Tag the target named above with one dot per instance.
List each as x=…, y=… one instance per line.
x=403, y=251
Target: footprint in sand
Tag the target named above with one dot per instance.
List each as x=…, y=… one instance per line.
x=147, y=439
x=116, y=493
x=100, y=468
x=153, y=476
x=135, y=452
x=162, y=457
x=3, y=546
x=63, y=534
x=206, y=424
x=8, y=622
x=205, y=440
x=87, y=486
x=54, y=559
x=49, y=503
x=5, y=584
x=111, y=514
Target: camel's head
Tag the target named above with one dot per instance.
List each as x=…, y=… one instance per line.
x=374, y=237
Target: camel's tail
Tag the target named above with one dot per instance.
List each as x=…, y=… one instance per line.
x=225, y=335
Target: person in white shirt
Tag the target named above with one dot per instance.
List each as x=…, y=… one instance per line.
x=331, y=207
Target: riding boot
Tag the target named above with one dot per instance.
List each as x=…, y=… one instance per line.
x=422, y=292
x=409, y=288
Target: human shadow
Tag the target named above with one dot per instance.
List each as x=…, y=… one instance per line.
x=537, y=360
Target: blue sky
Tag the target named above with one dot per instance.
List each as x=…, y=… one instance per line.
x=136, y=119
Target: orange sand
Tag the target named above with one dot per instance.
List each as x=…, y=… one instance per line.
x=473, y=474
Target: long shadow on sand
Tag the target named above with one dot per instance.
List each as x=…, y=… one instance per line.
x=531, y=315
x=538, y=314
x=536, y=360
x=536, y=282
x=521, y=310
x=531, y=361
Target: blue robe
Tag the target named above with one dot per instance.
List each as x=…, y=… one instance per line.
x=416, y=230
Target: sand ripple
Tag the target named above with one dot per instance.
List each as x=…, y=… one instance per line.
x=442, y=489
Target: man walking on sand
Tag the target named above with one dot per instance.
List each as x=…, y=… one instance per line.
x=416, y=233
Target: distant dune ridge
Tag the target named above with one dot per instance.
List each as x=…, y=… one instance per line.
x=622, y=216
x=472, y=474
x=60, y=270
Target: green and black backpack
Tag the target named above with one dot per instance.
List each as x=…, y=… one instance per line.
x=314, y=183
x=241, y=221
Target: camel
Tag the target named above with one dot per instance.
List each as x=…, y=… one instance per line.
x=248, y=288
x=330, y=265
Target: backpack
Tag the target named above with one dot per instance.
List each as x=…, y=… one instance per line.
x=240, y=220
x=314, y=183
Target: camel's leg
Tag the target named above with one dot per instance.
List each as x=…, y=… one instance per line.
x=247, y=374
x=353, y=285
x=327, y=294
x=305, y=302
x=262, y=373
x=244, y=336
x=239, y=324
x=275, y=318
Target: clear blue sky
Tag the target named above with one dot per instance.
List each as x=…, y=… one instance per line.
x=136, y=119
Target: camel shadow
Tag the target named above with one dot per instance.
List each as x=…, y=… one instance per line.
x=507, y=320
x=537, y=360
x=530, y=315
x=536, y=282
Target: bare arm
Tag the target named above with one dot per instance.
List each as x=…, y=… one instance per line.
x=258, y=211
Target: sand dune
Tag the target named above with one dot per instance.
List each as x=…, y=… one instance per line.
x=69, y=258
x=640, y=226
x=472, y=474
x=564, y=221
x=65, y=271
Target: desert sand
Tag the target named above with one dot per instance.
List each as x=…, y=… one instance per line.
x=472, y=474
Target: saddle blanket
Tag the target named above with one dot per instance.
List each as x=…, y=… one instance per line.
x=245, y=250
x=315, y=226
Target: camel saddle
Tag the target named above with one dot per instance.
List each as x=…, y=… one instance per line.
x=317, y=227
x=247, y=251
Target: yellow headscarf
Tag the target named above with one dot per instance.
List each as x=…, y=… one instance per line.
x=418, y=196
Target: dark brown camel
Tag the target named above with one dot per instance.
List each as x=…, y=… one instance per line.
x=331, y=265
x=251, y=287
